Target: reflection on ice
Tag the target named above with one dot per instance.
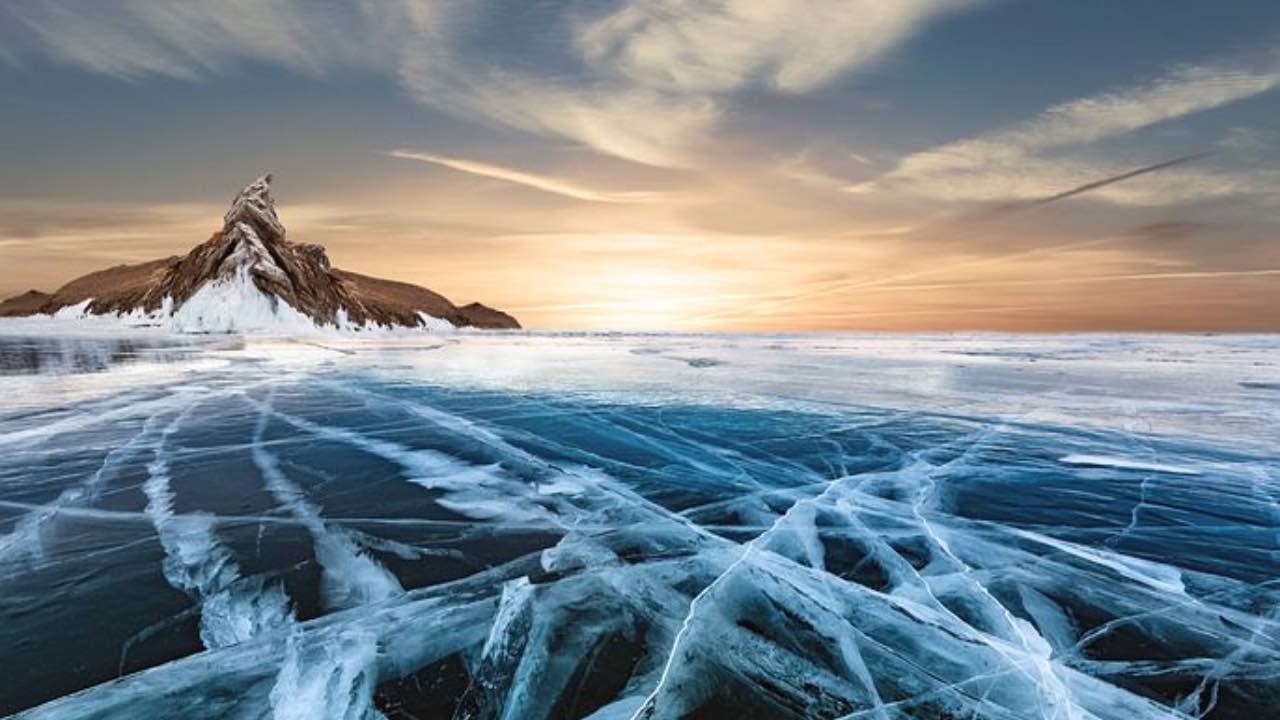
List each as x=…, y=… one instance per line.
x=62, y=355
x=575, y=526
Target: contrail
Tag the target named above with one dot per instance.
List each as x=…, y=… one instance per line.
x=986, y=217
x=1113, y=179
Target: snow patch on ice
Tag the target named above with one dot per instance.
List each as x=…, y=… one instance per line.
x=1121, y=463
x=1161, y=577
x=73, y=312
x=484, y=493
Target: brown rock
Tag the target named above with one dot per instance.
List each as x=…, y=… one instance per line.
x=483, y=316
x=116, y=289
x=25, y=304
x=252, y=245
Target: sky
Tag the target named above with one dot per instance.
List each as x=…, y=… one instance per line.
x=740, y=165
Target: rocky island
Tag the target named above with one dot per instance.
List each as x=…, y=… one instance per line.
x=248, y=276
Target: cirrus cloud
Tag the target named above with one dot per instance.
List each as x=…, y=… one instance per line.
x=1034, y=159
x=537, y=181
x=644, y=81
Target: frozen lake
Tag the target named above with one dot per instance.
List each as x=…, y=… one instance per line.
x=613, y=526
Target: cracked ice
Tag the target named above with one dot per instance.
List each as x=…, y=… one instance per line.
x=537, y=526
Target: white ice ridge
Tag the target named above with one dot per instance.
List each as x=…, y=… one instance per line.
x=26, y=538
x=482, y=492
x=333, y=680
x=233, y=608
x=350, y=577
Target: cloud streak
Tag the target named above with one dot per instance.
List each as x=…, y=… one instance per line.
x=1098, y=184
x=132, y=39
x=1078, y=279
x=1026, y=161
x=545, y=183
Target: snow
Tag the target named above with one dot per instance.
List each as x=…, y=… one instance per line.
x=73, y=312
x=1120, y=463
x=535, y=525
x=435, y=324
x=229, y=305
x=236, y=304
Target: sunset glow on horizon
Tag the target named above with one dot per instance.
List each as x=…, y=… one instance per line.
x=760, y=166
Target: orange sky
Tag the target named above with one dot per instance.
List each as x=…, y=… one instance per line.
x=571, y=271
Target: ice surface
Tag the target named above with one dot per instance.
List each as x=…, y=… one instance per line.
x=535, y=526
x=349, y=577
x=232, y=608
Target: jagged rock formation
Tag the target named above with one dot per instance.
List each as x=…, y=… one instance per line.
x=248, y=267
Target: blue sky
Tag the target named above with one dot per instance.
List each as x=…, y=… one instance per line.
x=762, y=164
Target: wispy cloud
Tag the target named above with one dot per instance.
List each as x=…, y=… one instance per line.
x=1082, y=278
x=792, y=46
x=545, y=183
x=1108, y=181
x=675, y=63
x=645, y=81
x=622, y=121
x=133, y=39
x=1027, y=161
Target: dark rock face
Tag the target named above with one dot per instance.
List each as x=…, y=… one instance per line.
x=251, y=246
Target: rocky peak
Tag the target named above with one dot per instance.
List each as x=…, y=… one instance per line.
x=254, y=238
x=251, y=251
x=255, y=207
x=248, y=269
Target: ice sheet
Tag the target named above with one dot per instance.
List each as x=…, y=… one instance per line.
x=539, y=525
